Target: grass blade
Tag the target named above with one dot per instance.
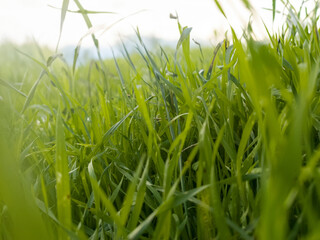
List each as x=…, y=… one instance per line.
x=139, y=200
x=220, y=8
x=32, y=92
x=64, y=10
x=85, y=11
x=62, y=176
x=8, y=85
x=184, y=35
x=273, y=9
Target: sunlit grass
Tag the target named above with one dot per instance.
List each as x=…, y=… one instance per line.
x=164, y=144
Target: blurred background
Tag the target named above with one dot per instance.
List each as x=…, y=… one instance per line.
x=39, y=20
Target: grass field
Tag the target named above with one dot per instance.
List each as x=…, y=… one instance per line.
x=205, y=143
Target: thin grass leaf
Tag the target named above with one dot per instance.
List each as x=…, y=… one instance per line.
x=64, y=9
x=32, y=92
x=273, y=9
x=91, y=31
x=241, y=150
x=8, y=85
x=215, y=52
x=115, y=193
x=238, y=229
x=165, y=206
x=247, y=4
x=62, y=176
x=85, y=11
x=104, y=199
x=218, y=212
x=128, y=200
x=125, y=93
x=181, y=198
x=141, y=192
x=220, y=8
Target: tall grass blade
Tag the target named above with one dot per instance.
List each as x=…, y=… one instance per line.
x=220, y=8
x=273, y=9
x=64, y=10
x=62, y=176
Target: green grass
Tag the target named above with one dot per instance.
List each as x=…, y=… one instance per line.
x=218, y=143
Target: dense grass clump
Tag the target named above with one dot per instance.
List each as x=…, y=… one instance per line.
x=183, y=144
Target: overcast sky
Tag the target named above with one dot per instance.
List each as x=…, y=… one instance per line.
x=26, y=19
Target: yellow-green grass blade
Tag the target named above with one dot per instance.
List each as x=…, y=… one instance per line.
x=240, y=154
x=62, y=175
x=128, y=200
x=220, y=8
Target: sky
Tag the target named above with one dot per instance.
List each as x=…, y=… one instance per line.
x=24, y=20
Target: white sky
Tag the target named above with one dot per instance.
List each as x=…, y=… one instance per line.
x=26, y=19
